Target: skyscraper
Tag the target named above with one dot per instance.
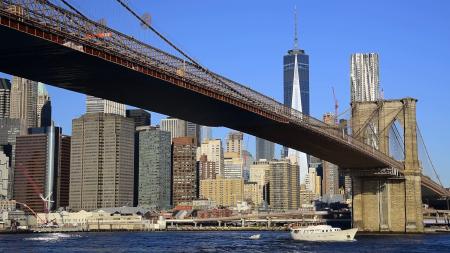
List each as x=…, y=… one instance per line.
x=141, y=117
x=364, y=77
x=234, y=142
x=207, y=169
x=284, y=185
x=44, y=108
x=9, y=130
x=364, y=85
x=330, y=181
x=233, y=165
x=63, y=178
x=206, y=133
x=5, y=97
x=184, y=170
x=96, y=105
x=214, y=153
x=181, y=128
x=154, y=184
x=4, y=175
x=264, y=149
x=193, y=130
x=37, y=168
x=296, y=92
x=101, y=164
x=176, y=127
x=23, y=105
x=260, y=174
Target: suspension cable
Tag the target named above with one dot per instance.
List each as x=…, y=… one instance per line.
x=73, y=8
x=145, y=23
x=428, y=154
x=194, y=62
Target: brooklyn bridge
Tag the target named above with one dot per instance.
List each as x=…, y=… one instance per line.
x=61, y=47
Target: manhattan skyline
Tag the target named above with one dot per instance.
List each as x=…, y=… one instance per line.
x=397, y=34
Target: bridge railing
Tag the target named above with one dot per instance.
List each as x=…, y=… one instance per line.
x=81, y=32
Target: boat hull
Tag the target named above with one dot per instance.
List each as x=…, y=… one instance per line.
x=343, y=235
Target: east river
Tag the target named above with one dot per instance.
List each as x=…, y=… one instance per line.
x=215, y=242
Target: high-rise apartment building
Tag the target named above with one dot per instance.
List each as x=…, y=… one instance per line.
x=63, y=179
x=5, y=97
x=154, y=182
x=284, y=185
x=100, y=105
x=296, y=93
x=176, y=127
x=44, y=107
x=260, y=174
x=141, y=117
x=181, y=128
x=23, y=104
x=214, y=153
x=233, y=165
x=9, y=130
x=223, y=191
x=264, y=149
x=252, y=194
x=184, y=170
x=206, y=133
x=193, y=130
x=313, y=182
x=364, y=77
x=234, y=142
x=330, y=181
x=37, y=171
x=101, y=165
x=4, y=176
x=207, y=169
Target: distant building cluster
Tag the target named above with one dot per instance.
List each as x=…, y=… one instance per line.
x=116, y=157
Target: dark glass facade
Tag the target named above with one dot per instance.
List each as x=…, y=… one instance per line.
x=303, y=74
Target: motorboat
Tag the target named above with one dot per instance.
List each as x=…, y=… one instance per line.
x=322, y=233
x=255, y=237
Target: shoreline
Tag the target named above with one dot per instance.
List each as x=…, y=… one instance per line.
x=215, y=229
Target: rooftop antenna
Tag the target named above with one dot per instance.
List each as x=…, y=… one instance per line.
x=295, y=28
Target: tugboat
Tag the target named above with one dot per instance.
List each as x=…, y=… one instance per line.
x=322, y=233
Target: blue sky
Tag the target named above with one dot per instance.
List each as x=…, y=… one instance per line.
x=246, y=41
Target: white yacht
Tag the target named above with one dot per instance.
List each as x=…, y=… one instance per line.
x=322, y=233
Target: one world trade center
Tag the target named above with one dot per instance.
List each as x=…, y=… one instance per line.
x=296, y=94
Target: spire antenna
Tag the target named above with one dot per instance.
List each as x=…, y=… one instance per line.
x=295, y=28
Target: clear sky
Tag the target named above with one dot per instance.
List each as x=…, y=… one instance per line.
x=246, y=41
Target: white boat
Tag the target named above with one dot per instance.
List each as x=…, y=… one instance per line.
x=322, y=233
x=255, y=237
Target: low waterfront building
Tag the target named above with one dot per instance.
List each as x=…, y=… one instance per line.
x=214, y=213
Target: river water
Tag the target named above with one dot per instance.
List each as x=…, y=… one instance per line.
x=215, y=242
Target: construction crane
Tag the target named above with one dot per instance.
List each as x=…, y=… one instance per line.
x=32, y=211
x=336, y=106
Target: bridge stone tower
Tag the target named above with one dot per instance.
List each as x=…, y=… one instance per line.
x=387, y=203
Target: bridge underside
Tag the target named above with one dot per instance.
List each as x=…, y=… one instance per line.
x=42, y=60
